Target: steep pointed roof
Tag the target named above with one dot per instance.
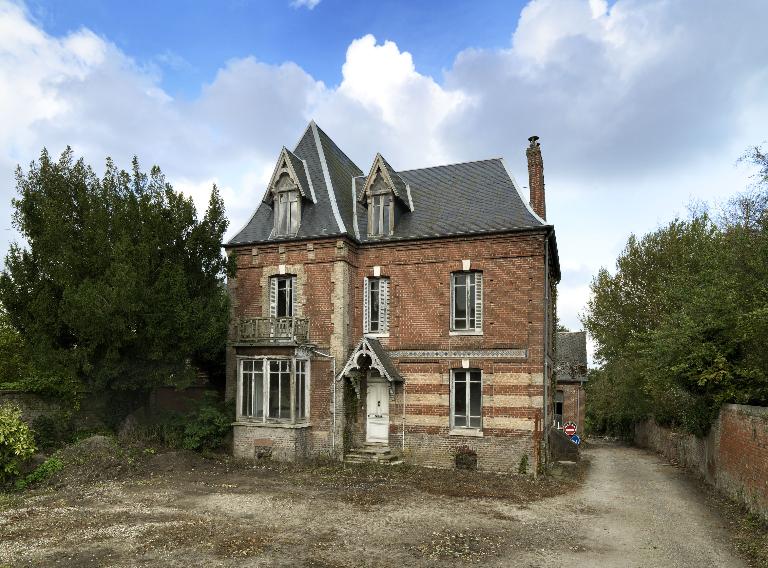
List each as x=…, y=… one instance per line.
x=391, y=178
x=456, y=199
x=297, y=171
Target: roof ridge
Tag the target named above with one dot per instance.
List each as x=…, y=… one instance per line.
x=336, y=146
x=498, y=158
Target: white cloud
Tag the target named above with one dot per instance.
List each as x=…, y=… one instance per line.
x=309, y=4
x=641, y=106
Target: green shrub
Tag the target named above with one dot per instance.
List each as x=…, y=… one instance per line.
x=465, y=458
x=522, y=468
x=53, y=430
x=17, y=443
x=41, y=473
x=207, y=426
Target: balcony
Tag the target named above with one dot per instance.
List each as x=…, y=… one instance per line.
x=273, y=331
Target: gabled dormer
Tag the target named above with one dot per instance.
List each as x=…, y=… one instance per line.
x=289, y=186
x=386, y=196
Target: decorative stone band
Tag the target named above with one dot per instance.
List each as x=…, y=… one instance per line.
x=470, y=354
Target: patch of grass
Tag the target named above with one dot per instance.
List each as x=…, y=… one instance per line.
x=41, y=473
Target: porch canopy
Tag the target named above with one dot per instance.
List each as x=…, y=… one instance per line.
x=370, y=354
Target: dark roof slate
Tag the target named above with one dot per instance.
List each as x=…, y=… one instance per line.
x=457, y=199
x=571, y=355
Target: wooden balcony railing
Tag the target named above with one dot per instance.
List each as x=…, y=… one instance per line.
x=273, y=330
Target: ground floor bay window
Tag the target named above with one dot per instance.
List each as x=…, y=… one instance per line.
x=273, y=390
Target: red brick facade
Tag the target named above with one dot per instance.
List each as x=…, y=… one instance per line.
x=330, y=275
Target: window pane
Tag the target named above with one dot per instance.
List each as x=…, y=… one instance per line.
x=376, y=216
x=475, y=401
x=459, y=301
x=373, y=305
x=284, y=297
x=301, y=384
x=281, y=213
x=258, y=391
x=246, y=393
x=386, y=211
x=459, y=399
x=274, y=389
x=294, y=215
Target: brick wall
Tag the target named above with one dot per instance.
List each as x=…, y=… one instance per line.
x=574, y=404
x=330, y=274
x=733, y=456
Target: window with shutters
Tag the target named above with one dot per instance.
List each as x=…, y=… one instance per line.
x=273, y=390
x=467, y=302
x=282, y=296
x=466, y=399
x=376, y=306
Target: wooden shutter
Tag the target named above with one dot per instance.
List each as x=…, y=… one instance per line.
x=479, y=301
x=384, y=304
x=366, y=296
x=293, y=296
x=273, y=297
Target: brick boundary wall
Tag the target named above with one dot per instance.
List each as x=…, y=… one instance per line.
x=733, y=457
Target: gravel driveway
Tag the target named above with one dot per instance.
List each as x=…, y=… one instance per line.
x=632, y=510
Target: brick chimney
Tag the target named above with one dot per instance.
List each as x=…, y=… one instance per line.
x=536, y=177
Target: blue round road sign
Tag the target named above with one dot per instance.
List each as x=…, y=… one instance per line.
x=575, y=439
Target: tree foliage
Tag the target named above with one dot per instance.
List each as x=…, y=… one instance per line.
x=681, y=326
x=119, y=284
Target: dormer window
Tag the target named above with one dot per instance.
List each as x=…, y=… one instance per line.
x=287, y=213
x=289, y=185
x=380, y=215
x=387, y=197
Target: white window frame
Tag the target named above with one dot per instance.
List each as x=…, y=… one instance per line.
x=467, y=428
x=383, y=285
x=265, y=363
x=287, y=212
x=381, y=209
x=274, y=285
x=475, y=300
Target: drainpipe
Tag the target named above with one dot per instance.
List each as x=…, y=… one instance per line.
x=333, y=380
x=546, y=345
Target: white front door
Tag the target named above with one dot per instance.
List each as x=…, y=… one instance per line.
x=378, y=412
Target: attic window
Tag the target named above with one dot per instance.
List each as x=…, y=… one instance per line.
x=380, y=218
x=287, y=207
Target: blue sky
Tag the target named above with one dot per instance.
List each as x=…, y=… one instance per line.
x=642, y=106
x=191, y=41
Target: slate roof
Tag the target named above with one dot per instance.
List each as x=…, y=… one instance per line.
x=456, y=199
x=571, y=356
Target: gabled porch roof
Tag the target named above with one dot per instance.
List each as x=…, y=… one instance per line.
x=380, y=359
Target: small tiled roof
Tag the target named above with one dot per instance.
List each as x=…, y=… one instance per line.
x=457, y=199
x=571, y=356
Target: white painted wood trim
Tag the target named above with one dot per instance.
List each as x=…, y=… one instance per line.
x=327, y=177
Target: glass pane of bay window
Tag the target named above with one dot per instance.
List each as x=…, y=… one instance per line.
x=279, y=389
x=300, y=410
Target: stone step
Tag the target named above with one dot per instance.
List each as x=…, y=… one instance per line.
x=372, y=454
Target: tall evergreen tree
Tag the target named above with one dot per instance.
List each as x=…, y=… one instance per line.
x=118, y=285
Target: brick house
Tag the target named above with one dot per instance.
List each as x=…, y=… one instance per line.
x=570, y=377
x=393, y=314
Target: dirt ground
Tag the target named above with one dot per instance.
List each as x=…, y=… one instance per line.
x=181, y=510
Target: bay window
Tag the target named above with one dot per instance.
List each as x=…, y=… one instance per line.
x=273, y=390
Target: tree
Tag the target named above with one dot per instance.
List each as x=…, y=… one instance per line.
x=682, y=324
x=119, y=285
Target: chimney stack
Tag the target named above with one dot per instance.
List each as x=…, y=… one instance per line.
x=536, y=177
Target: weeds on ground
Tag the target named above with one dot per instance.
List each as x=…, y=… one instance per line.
x=41, y=473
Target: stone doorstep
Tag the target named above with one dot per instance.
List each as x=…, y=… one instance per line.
x=371, y=453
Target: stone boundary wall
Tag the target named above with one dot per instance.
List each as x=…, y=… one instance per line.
x=733, y=457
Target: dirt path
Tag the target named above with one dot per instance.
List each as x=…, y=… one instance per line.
x=636, y=511
x=632, y=511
